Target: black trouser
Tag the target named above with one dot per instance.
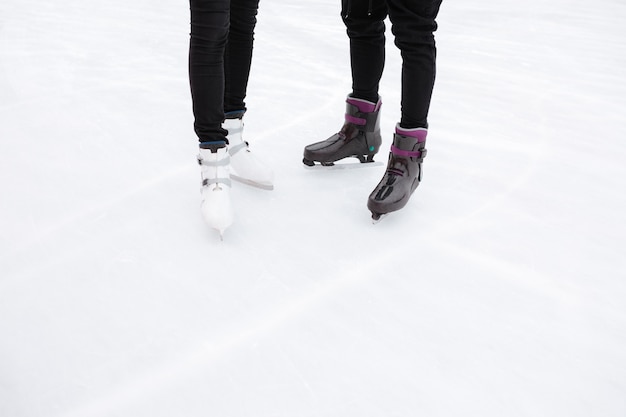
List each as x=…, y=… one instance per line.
x=220, y=53
x=413, y=24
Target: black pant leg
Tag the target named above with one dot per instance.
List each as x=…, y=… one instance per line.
x=366, y=30
x=238, y=55
x=413, y=24
x=209, y=34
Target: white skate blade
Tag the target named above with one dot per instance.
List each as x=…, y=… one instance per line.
x=221, y=232
x=220, y=229
x=219, y=225
x=261, y=185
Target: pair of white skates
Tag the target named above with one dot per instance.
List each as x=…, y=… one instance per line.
x=219, y=166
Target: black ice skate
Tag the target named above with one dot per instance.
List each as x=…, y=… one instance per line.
x=359, y=137
x=403, y=174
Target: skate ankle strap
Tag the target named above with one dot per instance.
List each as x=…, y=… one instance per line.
x=222, y=162
x=208, y=181
x=363, y=121
x=409, y=154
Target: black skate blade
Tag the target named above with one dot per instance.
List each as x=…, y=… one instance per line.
x=340, y=165
x=377, y=217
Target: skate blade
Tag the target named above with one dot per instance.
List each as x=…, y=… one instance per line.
x=317, y=166
x=219, y=223
x=251, y=183
x=377, y=217
x=220, y=232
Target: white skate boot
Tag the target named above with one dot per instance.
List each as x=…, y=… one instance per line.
x=217, y=209
x=245, y=167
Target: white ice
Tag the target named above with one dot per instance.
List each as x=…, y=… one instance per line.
x=500, y=290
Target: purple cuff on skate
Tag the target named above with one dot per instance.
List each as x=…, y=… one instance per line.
x=402, y=152
x=418, y=133
x=364, y=106
x=355, y=120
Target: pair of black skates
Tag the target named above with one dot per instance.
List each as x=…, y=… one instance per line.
x=360, y=138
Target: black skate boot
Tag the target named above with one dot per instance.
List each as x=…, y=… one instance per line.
x=403, y=174
x=359, y=137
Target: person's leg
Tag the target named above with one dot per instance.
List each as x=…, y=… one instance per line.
x=366, y=31
x=413, y=24
x=209, y=34
x=238, y=55
x=245, y=167
x=360, y=135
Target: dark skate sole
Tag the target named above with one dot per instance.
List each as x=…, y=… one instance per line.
x=366, y=160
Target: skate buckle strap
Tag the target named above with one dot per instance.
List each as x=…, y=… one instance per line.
x=408, y=154
x=208, y=181
x=355, y=120
x=365, y=121
x=222, y=162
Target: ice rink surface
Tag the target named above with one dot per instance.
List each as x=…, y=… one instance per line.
x=498, y=291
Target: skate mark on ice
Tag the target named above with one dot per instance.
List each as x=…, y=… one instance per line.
x=200, y=358
x=518, y=182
